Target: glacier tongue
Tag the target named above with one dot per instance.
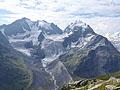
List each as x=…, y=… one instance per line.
x=24, y=50
x=48, y=60
x=44, y=24
x=19, y=41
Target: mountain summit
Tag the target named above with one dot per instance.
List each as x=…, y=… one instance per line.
x=79, y=34
x=80, y=26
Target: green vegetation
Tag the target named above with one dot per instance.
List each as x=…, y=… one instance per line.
x=72, y=60
x=104, y=82
x=14, y=74
x=107, y=76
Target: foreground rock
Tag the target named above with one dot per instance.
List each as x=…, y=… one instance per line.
x=95, y=84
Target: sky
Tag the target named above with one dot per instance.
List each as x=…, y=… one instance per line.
x=102, y=15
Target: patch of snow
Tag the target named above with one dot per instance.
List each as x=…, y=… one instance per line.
x=29, y=22
x=2, y=30
x=48, y=60
x=45, y=24
x=23, y=50
x=82, y=41
x=56, y=37
x=79, y=24
x=20, y=37
x=34, y=36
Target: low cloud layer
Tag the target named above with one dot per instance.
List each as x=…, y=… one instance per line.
x=102, y=15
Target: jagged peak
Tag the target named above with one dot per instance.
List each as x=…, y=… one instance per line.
x=45, y=22
x=24, y=18
x=78, y=25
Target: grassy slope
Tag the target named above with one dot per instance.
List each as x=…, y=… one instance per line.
x=100, y=83
x=14, y=73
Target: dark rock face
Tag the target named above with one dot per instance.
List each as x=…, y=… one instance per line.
x=79, y=26
x=77, y=33
x=29, y=45
x=98, y=62
x=41, y=37
x=38, y=53
x=56, y=29
x=17, y=27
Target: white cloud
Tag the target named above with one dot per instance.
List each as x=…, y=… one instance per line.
x=102, y=15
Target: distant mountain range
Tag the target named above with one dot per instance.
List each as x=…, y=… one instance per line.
x=41, y=56
x=115, y=39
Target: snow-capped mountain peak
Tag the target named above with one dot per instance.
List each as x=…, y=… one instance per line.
x=79, y=34
x=24, y=20
x=80, y=26
x=43, y=24
x=78, y=23
x=24, y=32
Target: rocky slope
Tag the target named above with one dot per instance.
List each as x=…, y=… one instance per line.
x=95, y=84
x=105, y=82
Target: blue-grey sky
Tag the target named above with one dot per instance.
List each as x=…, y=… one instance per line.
x=102, y=15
